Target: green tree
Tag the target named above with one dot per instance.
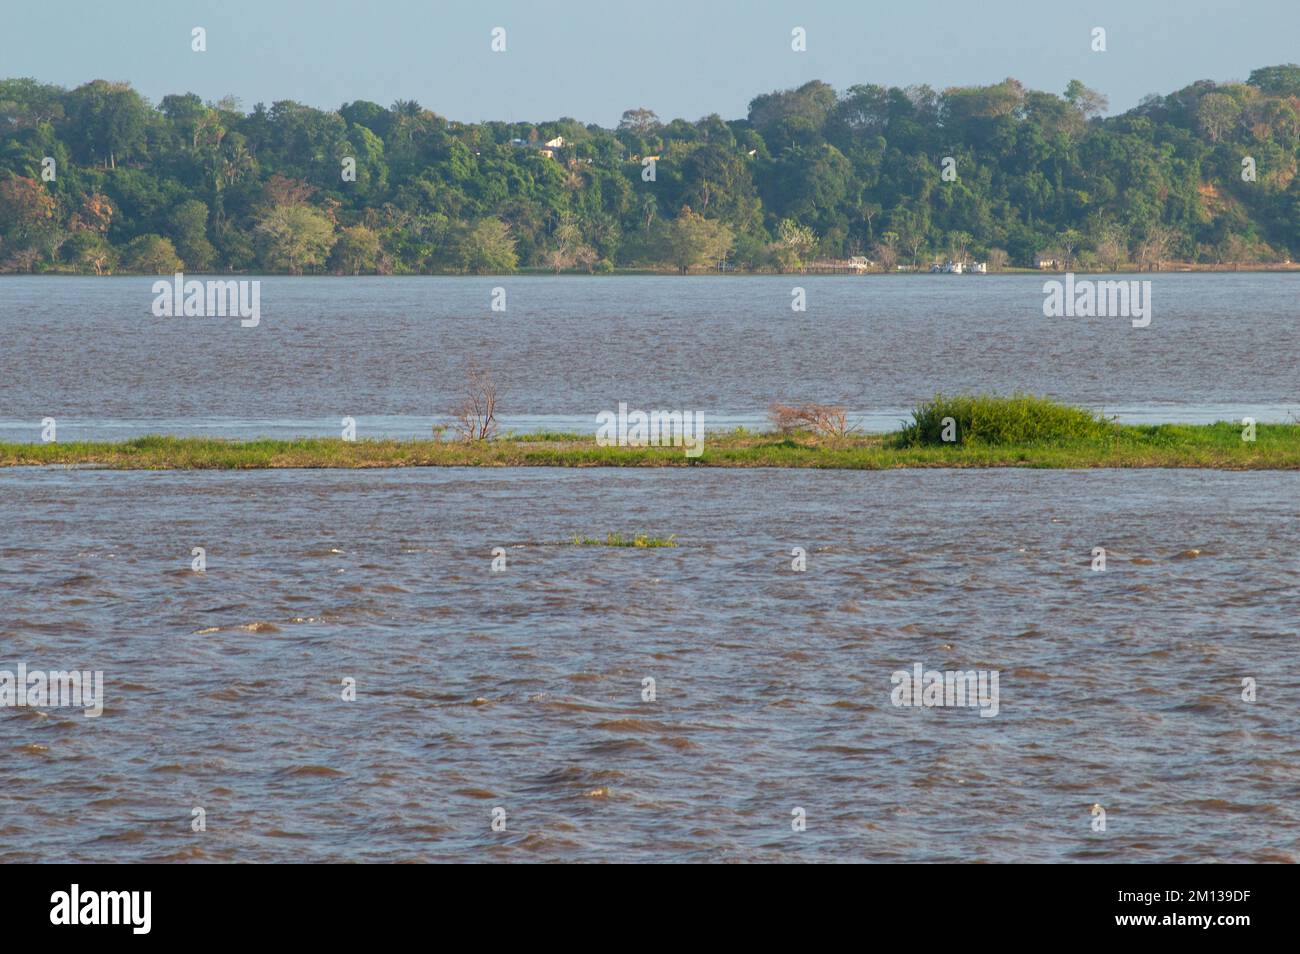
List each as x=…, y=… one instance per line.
x=794, y=244
x=357, y=250
x=151, y=255
x=1217, y=115
x=107, y=121
x=25, y=206
x=487, y=247
x=885, y=252
x=1277, y=80
x=1087, y=101
x=90, y=253
x=691, y=240
x=294, y=237
x=189, y=233
x=912, y=228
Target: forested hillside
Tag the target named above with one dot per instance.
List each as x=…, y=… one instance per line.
x=98, y=180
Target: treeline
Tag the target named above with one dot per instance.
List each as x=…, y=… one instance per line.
x=98, y=180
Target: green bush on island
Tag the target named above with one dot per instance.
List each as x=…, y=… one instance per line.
x=990, y=419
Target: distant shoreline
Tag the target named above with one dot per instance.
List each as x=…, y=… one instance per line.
x=1173, y=269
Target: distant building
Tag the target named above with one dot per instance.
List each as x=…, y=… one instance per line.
x=959, y=268
x=547, y=148
x=1049, y=260
x=854, y=265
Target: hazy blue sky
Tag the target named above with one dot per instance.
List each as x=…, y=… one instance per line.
x=591, y=60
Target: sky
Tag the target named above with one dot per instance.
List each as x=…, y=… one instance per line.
x=592, y=59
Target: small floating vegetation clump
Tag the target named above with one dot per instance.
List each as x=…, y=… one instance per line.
x=998, y=421
x=619, y=540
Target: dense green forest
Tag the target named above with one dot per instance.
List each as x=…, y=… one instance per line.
x=98, y=180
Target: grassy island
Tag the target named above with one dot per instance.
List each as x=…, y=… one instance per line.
x=957, y=432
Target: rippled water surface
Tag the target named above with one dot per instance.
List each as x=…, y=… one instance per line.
x=391, y=352
x=523, y=689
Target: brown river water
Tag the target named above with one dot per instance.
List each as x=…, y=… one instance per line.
x=523, y=689
x=521, y=696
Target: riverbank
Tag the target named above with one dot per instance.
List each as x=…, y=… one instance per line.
x=1217, y=446
x=811, y=270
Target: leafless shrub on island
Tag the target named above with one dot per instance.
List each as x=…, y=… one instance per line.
x=824, y=420
x=474, y=416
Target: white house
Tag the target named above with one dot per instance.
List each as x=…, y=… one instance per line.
x=547, y=148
